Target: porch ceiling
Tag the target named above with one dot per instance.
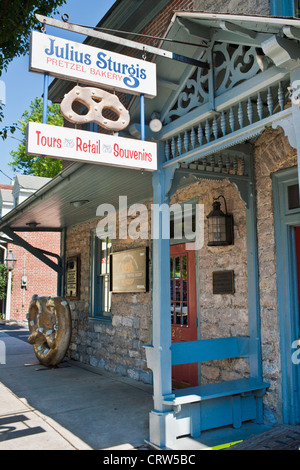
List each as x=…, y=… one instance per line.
x=51, y=208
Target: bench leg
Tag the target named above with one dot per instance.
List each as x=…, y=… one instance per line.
x=259, y=406
x=195, y=420
x=236, y=411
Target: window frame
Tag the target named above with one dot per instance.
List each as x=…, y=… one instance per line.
x=97, y=277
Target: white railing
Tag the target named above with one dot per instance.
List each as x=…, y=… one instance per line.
x=255, y=108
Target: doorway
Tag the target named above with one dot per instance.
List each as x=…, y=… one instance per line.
x=183, y=308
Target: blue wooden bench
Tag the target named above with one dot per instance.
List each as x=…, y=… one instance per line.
x=218, y=404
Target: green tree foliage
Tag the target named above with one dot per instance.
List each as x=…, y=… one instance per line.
x=3, y=281
x=34, y=165
x=17, y=20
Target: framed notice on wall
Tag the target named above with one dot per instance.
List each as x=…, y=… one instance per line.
x=130, y=270
x=72, y=277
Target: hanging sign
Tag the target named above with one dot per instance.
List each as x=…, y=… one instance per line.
x=78, y=62
x=90, y=147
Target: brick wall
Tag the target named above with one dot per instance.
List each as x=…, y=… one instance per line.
x=41, y=279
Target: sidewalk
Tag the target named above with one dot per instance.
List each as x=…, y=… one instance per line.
x=76, y=407
x=69, y=407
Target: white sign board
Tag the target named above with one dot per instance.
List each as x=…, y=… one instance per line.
x=90, y=147
x=75, y=61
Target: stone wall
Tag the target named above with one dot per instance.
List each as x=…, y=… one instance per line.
x=221, y=315
x=272, y=153
x=115, y=346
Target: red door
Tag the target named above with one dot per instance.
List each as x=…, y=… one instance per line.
x=183, y=308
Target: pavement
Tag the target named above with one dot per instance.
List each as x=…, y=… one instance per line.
x=66, y=408
x=79, y=407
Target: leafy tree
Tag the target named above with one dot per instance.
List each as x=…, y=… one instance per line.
x=17, y=20
x=3, y=281
x=30, y=164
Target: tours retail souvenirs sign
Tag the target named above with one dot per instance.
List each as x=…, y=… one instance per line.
x=90, y=147
x=91, y=66
x=87, y=64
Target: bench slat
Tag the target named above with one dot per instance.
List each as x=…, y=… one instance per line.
x=186, y=352
x=216, y=390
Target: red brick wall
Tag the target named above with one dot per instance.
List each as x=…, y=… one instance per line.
x=41, y=279
x=158, y=26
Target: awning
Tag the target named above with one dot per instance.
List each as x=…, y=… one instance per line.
x=57, y=204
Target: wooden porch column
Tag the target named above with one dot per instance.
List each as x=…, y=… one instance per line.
x=159, y=353
x=295, y=81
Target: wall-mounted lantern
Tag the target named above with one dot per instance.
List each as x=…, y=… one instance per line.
x=220, y=225
x=10, y=260
x=10, y=264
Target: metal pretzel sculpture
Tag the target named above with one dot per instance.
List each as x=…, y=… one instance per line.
x=50, y=326
x=96, y=101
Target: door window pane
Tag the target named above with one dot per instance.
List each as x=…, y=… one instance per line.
x=179, y=290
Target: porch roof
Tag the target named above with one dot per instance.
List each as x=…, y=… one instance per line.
x=206, y=29
x=51, y=207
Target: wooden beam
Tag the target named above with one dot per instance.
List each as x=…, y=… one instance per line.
x=121, y=41
x=234, y=28
x=291, y=32
x=40, y=254
x=194, y=29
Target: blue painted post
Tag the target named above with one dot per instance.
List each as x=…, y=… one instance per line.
x=162, y=421
x=45, y=97
x=142, y=105
x=282, y=7
x=255, y=360
x=295, y=78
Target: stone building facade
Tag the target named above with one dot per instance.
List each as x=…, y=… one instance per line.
x=117, y=346
x=203, y=155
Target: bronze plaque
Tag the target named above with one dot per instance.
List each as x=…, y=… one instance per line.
x=72, y=277
x=130, y=271
x=223, y=282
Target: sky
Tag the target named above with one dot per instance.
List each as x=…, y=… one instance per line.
x=23, y=86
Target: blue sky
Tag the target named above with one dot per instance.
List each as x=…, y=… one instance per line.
x=23, y=86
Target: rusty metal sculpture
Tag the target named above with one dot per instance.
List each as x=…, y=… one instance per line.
x=50, y=326
x=97, y=101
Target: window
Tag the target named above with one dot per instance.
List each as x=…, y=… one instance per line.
x=100, y=277
x=293, y=196
x=179, y=291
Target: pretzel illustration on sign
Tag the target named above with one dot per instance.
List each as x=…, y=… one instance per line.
x=96, y=100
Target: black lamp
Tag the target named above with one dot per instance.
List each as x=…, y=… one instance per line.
x=220, y=225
